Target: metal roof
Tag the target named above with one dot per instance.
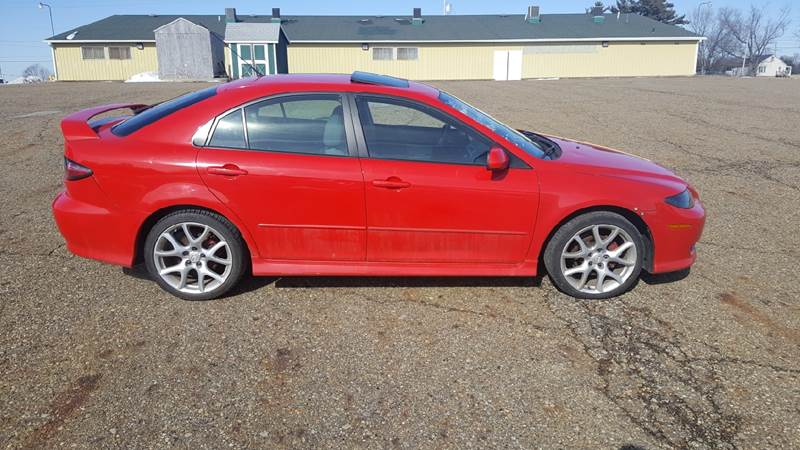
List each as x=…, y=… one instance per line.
x=252, y=32
x=452, y=28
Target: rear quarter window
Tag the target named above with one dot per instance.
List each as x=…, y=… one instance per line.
x=161, y=110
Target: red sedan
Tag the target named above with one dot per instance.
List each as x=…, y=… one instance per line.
x=360, y=175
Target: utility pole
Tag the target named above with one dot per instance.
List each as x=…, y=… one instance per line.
x=701, y=43
x=50, y=11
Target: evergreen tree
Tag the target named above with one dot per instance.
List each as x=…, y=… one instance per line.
x=660, y=10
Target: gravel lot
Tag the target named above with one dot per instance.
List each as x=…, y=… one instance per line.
x=94, y=357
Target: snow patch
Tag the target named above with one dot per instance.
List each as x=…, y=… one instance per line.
x=144, y=77
x=26, y=80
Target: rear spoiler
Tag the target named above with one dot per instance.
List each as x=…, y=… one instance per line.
x=76, y=126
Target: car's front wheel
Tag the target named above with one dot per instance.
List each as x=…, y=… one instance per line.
x=195, y=254
x=595, y=255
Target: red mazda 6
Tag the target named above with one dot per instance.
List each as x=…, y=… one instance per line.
x=360, y=175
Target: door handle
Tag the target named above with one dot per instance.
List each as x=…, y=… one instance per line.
x=228, y=170
x=391, y=183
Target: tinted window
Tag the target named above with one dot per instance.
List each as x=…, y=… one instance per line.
x=397, y=129
x=298, y=124
x=517, y=138
x=161, y=110
x=229, y=132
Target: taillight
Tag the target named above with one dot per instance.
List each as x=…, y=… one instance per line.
x=74, y=171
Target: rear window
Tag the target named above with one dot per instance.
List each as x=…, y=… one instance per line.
x=161, y=110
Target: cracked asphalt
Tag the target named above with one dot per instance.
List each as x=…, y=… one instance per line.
x=91, y=356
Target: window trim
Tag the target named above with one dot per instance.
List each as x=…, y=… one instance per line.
x=391, y=58
x=349, y=131
x=363, y=150
x=127, y=47
x=84, y=58
x=416, y=53
x=394, y=55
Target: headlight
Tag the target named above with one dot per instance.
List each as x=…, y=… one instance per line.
x=683, y=200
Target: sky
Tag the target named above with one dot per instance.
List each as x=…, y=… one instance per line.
x=23, y=26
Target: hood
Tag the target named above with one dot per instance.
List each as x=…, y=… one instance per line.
x=596, y=160
x=593, y=156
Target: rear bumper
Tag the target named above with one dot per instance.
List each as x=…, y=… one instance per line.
x=92, y=231
x=675, y=233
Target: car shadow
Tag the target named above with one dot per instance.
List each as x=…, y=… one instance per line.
x=253, y=283
x=664, y=278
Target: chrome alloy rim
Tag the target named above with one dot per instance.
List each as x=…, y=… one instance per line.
x=598, y=259
x=192, y=257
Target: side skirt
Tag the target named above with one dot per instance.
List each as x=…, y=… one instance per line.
x=388, y=269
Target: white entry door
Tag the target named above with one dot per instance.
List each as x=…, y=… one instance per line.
x=515, y=65
x=500, y=65
x=507, y=65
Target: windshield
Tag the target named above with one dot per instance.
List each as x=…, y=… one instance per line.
x=161, y=110
x=517, y=138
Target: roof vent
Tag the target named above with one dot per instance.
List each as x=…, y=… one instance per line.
x=276, y=15
x=532, y=16
x=72, y=35
x=597, y=14
x=230, y=15
x=364, y=21
x=416, y=19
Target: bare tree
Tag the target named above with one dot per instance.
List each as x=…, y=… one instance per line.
x=753, y=32
x=704, y=22
x=36, y=70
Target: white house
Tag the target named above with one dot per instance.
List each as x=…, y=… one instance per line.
x=772, y=66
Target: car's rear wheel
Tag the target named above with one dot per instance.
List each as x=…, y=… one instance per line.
x=195, y=254
x=595, y=255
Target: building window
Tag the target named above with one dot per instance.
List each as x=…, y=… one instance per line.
x=762, y=69
x=391, y=53
x=93, y=52
x=409, y=53
x=382, y=53
x=119, y=53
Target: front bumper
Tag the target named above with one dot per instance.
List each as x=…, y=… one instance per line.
x=675, y=232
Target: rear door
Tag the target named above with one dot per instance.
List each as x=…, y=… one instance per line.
x=429, y=195
x=284, y=166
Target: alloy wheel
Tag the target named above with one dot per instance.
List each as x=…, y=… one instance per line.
x=598, y=259
x=192, y=257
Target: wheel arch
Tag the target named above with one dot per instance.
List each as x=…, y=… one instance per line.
x=155, y=216
x=631, y=216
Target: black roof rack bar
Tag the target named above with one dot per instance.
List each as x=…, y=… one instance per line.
x=374, y=78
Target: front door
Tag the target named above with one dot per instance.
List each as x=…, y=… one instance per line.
x=429, y=195
x=289, y=177
x=252, y=58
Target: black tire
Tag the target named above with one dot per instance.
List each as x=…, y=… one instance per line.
x=227, y=231
x=557, y=244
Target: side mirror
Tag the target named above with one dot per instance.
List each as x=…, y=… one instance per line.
x=497, y=159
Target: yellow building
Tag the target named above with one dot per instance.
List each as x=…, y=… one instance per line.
x=500, y=47
x=417, y=47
